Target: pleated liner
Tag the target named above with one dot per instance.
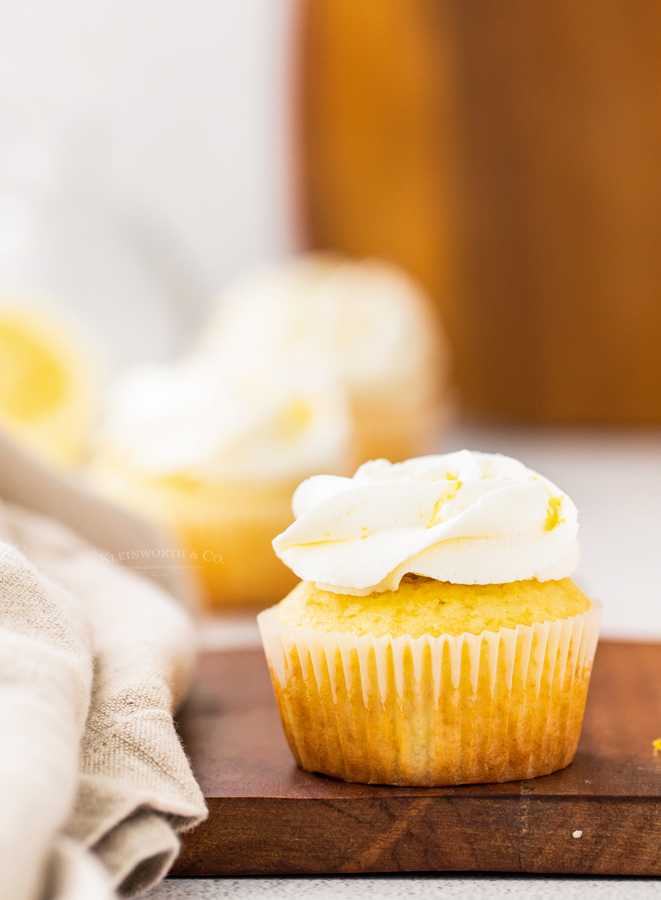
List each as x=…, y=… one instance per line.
x=239, y=530
x=227, y=530
x=491, y=707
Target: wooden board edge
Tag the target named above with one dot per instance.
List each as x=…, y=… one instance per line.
x=510, y=833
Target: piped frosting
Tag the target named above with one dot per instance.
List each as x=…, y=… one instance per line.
x=464, y=517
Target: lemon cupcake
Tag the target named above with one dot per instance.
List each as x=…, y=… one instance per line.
x=213, y=451
x=371, y=324
x=437, y=637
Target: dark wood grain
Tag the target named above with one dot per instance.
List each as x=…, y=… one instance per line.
x=509, y=155
x=269, y=817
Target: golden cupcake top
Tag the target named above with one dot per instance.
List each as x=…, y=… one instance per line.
x=422, y=606
x=464, y=518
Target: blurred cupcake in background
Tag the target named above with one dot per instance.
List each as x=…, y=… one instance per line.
x=310, y=366
x=212, y=449
x=371, y=323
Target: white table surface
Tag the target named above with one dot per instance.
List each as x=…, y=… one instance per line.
x=614, y=477
x=425, y=887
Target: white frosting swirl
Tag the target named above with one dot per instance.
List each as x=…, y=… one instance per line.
x=212, y=419
x=465, y=517
x=368, y=321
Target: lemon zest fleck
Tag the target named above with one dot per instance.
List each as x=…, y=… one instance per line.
x=445, y=497
x=553, y=513
x=294, y=419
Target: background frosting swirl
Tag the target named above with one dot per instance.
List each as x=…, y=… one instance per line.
x=465, y=517
x=220, y=419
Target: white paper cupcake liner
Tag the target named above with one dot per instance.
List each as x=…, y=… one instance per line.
x=226, y=531
x=487, y=707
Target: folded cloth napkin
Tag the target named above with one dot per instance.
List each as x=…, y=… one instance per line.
x=94, y=783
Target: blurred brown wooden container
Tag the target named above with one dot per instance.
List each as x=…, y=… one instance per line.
x=508, y=154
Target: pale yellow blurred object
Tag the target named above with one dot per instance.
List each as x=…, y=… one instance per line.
x=213, y=452
x=48, y=383
x=371, y=324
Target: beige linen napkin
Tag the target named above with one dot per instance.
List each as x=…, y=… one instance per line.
x=94, y=784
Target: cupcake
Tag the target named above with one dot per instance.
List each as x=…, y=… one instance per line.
x=436, y=637
x=212, y=451
x=371, y=324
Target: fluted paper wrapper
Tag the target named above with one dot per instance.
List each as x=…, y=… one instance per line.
x=226, y=530
x=232, y=538
x=491, y=707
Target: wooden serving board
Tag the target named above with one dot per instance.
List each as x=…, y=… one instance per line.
x=601, y=815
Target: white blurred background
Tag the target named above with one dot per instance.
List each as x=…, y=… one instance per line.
x=162, y=128
x=146, y=158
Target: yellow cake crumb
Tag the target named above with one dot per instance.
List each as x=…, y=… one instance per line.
x=424, y=606
x=657, y=746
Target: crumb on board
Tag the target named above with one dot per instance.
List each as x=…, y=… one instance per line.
x=657, y=746
x=577, y=834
